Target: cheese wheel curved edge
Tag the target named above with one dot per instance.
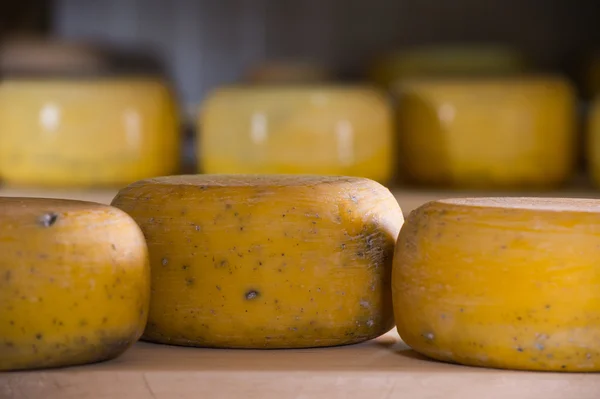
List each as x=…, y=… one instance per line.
x=501, y=282
x=251, y=261
x=74, y=283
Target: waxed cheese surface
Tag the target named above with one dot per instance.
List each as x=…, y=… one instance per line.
x=86, y=132
x=74, y=283
x=266, y=261
x=310, y=129
x=508, y=133
x=502, y=282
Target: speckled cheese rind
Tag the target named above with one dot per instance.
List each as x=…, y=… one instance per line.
x=74, y=283
x=502, y=282
x=254, y=261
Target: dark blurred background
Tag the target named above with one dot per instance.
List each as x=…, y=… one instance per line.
x=205, y=43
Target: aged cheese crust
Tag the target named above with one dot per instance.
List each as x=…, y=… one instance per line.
x=74, y=283
x=252, y=261
x=502, y=282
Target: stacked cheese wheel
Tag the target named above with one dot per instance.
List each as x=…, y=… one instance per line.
x=295, y=261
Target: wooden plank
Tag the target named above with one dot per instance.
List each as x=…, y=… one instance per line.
x=382, y=368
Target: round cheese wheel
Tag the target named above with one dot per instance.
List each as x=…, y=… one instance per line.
x=246, y=261
x=508, y=133
x=74, y=283
x=325, y=130
x=593, y=141
x=501, y=282
x=83, y=132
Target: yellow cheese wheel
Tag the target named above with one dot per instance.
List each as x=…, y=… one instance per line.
x=326, y=130
x=74, y=283
x=82, y=132
x=246, y=261
x=487, y=133
x=501, y=282
x=593, y=141
x=447, y=60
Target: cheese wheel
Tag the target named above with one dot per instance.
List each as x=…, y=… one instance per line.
x=593, y=141
x=74, y=283
x=501, y=282
x=243, y=261
x=83, y=132
x=327, y=130
x=508, y=133
x=447, y=60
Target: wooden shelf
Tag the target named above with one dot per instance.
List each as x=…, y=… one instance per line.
x=382, y=368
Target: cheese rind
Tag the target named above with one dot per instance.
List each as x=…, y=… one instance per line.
x=86, y=132
x=504, y=283
x=244, y=261
x=74, y=283
x=507, y=133
x=325, y=130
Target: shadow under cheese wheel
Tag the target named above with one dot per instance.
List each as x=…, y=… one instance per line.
x=251, y=261
x=501, y=282
x=74, y=283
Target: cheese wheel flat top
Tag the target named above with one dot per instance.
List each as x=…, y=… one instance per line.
x=529, y=203
x=250, y=180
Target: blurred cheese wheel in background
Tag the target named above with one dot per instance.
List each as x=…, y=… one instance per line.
x=593, y=141
x=334, y=130
x=288, y=72
x=501, y=282
x=463, y=60
x=86, y=131
x=487, y=133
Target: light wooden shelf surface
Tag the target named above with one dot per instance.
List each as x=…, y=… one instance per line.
x=380, y=369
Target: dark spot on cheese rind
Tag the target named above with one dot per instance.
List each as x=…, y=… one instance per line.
x=48, y=219
x=251, y=294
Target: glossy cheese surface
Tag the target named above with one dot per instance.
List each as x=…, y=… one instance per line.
x=74, y=283
x=86, y=132
x=502, y=282
x=326, y=130
x=487, y=133
x=250, y=261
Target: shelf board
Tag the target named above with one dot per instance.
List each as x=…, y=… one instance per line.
x=381, y=368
